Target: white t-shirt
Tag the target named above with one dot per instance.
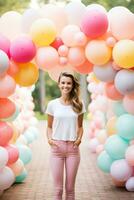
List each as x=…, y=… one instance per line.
x=65, y=122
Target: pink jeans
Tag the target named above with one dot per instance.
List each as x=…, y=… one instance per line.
x=66, y=154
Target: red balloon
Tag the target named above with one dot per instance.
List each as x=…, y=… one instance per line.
x=85, y=68
x=57, y=43
x=7, y=108
x=6, y=133
x=13, y=154
x=112, y=92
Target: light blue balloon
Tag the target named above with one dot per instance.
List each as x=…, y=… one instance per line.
x=125, y=126
x=118, y=108
x=116, y=147
x=21, y=177
x=29, y=137
x=25, y=153
x=104, y=161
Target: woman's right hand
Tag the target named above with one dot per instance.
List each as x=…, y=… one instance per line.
x=51, y=142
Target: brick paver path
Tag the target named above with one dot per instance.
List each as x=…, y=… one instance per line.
x=91, y=184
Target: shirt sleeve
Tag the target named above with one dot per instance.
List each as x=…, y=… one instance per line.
x=83, y=108
x=49, y=109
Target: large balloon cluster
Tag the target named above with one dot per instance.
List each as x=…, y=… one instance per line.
x=112, y=103
x=17, y=131
x=72, y=38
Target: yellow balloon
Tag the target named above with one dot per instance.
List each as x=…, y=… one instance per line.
x=123, y=53
x=111, y=126
x=97, y=52
x=27, y=75
x=43, y=32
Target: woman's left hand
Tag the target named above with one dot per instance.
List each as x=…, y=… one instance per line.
x=77, y=142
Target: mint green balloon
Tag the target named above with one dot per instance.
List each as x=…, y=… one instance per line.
x=118, y=108
x=25, y=153
x=21, y=177
x=116, y=147
x=125, y=126
x=104, y=161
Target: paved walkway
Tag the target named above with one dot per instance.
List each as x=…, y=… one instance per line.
x=92, y=184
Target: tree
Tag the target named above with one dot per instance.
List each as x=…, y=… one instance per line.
x=108, y=4
x=7, y=5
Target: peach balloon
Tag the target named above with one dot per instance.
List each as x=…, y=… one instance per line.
x=112, y=93
x=47, y=58
x=10, y=108
x=102, y=136
x=17, y=167
x=76, y=56
x=7, y=86
x=121, y=22
x=80, y=39
x=68, y=35
x=111, y=126
x=97, y=52
x=110, y=41
x=63, y=50
x=63, y=61
x=27, y=75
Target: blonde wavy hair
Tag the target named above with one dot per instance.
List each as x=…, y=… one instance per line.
x=74, y=96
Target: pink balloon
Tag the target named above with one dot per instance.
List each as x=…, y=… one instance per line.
x=7, y=86
x=22, y=50
x=76, y=56
x=5, y=44
x=63, y=50
x=129, y=155
x=94, y=23
x=128, y=104
x=13, y=153
x=47, y=58
x=6, y=133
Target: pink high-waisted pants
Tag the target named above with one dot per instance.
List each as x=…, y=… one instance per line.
x=68, y=155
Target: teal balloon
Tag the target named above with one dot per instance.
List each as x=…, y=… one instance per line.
x=116, y=147
x=21, y=177
x=118, y=108
x=104, y=161
x=25, y=153
x=125, y=126
x=29, y=136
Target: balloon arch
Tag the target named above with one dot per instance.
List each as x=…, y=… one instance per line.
x=88, y=40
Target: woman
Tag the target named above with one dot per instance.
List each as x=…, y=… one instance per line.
x=64, y=133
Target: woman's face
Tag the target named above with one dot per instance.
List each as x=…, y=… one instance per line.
x=65, y=85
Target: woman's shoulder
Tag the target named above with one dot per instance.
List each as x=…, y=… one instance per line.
x=53, y=101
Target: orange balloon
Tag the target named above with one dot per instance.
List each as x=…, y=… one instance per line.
x=112, y=92
x=13, y=68
x=110, y=126
x=15, y=134
x=7, y=108
x=27, y=75
x=85, y=68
